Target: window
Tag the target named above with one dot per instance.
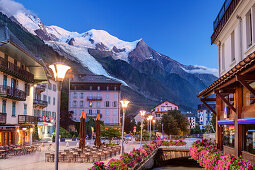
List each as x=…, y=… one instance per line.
x=115, y=88
x=114, y=112
x=54, y=114
x=223, y=58
x=54, y=87
x=98, y=88
x=249, y=138
x=90, y=111
x=248, y=29
x=248, y=97
x=229, y=135
x=98, y=104
x=13, y=108
x=90, y=87
x=74, y=95
x=233, y=46
x=107, y=120
x=5, y=81
x=35, y=112
x=27, y=89
x=81, y=95
x=107, y=104
x=98, y=111
x=115, y=95
x=25, y=109
x=90, y=103
x=17, y=84
x=74, y=103
x=44, y=98
x=4, y=106
x=54, y=101
x=49, y=98
x=114, y=104
x=107, y=88
x=81, y=103
x=49, y=86
x=107, y=113
x=107, y=96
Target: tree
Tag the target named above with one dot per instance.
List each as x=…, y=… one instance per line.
x=110, y=132
x=66, y=119
x=129, y=125
x=35, y=134
x=170, y=125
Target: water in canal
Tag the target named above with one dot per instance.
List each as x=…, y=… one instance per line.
x=179, y=164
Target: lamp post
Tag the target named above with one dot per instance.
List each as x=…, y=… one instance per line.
x=142, y=112
x=150, y=119
x=124, y=104
x=59, y=71
x=154, y=122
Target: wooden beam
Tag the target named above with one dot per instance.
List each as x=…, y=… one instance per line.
x=241, y=79
x=225, y=101
x=208, y=106
x=209, y=99
x=248, y=77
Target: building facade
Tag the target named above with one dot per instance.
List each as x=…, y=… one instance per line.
x=95, y=94
x=191, y=119
x=19, y=70
x=45, y=107
x=163, y=108
x=234, y=34
x=204, y=115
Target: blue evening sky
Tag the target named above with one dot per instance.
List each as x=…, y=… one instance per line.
x=180, y=29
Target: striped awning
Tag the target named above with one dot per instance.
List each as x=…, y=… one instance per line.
x=226, y=122
x=246, y=121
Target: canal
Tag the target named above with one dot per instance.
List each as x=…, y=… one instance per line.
x=179, y=164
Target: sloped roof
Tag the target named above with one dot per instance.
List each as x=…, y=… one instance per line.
x=93, y=79
x=164, y=102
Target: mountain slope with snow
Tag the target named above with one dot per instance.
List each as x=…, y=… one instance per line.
x=146, y=72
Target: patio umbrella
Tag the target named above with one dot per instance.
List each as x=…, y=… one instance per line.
x=82, y=130
x=98, y=139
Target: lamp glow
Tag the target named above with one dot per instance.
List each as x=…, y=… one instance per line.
x=154, y=121
x=124, y=103
x=59, y=70
x=142, y=112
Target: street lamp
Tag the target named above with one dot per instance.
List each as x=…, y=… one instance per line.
x=142, y=112
x=124, y=104
x=150, y=119
x=154, y=124
x=59, y=70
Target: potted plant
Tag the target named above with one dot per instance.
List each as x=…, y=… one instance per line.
x=74, y=138
x=53, y=135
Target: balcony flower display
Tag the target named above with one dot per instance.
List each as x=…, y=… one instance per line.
x=208, y=156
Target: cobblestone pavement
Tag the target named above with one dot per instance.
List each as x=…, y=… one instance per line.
x=35, y=161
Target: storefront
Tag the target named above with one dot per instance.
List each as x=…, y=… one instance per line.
x=45, y=130
x=8, y=135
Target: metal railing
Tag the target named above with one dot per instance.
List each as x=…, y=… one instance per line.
x=40, y=103
x=221, y=13
x=13, y=93
x=40, y=87
x=3, y=118
x=93, y=115
x=23, y=119
x=11, y=68
x=94, y=98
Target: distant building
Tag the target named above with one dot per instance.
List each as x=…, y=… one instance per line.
x=192, y=120
x=204, y=115
x=45, y=107
x=95, y=94
x=163, y=108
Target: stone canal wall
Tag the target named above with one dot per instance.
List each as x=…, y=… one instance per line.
x=161, y=155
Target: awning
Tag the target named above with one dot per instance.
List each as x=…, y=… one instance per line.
x=246, y=121
x=226, y=122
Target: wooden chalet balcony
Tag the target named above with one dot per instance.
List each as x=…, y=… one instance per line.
x=26, y=119
x=3, y=118
x=40, y=88
x=40, y=103
x=12, y=69
x=94, y=98
x=8, y=92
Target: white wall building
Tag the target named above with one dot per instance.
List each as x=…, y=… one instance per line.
x=204, y=115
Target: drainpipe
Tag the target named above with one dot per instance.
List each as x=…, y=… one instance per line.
x=219, y=58
x=241, y=37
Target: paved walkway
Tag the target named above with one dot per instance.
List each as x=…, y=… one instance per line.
x=35, y=161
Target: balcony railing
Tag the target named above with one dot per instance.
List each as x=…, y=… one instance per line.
x=12, y=93
x=95, y=98
x=40, y=103
x=3, y=118
x=223, y=16
x=93, y=115
x=40, y=88
x=24, y=119
x=16, y=71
